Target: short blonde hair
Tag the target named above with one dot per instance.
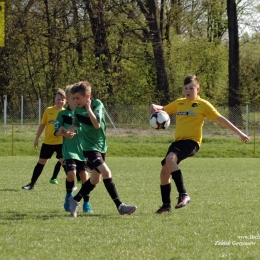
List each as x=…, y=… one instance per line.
x=67, y=90
x=60, y=92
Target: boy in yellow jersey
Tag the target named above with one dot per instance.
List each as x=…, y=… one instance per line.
x=51, y=143
x=191, y=111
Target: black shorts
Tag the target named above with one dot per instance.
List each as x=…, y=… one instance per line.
x=47, y=150
x=183, y=149
x=75, y=165
x=94, y=159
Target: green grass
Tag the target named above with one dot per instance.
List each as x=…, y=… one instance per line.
x=224, y=206
x=21, y=143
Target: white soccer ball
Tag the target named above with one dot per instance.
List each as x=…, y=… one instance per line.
x=159, y=120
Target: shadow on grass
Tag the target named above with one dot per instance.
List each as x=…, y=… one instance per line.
x=9, y=190
x=17, y=216
x=13, y=215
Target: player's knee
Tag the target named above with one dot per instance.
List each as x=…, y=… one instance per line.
x=71, y=175
x=171, y=158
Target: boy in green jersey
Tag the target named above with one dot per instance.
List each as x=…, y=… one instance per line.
x=73, y=157
x=51, y=143
x=90, y=116
x=191, y=112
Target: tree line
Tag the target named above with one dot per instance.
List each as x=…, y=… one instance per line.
x=131, y=51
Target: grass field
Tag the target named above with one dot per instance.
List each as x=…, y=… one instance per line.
x=221, y=222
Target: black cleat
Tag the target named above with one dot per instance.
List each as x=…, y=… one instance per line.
x=183, y=200
x=163, y=209
x=28, y=187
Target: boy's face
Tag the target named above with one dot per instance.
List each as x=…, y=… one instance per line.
x=191, y=91
x=72, y=102
x=80, y=99
x=59, y=101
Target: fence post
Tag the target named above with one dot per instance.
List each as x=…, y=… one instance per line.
x=12, y=139
x=247, y=119
x=5, y=112
x=22, y=112
x=40, y=111
x=254, y=142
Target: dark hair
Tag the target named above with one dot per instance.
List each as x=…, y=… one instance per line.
x=191, y=78
x=82, y=87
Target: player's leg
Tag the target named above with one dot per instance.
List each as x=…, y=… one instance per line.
x=82, y=169
x=70, y=166
x=86, y=188
x=165, y=188
x=56, y=170
x=45, y=154
x=179, y=151
x=111, y=189
x=58, y=149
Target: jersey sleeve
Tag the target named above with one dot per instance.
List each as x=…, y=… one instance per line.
x=211, y=112
x=99, y=110
x=171, y=108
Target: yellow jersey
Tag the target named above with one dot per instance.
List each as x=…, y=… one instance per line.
x=190, y=117
x=49, y=120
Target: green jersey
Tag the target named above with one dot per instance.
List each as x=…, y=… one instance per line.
x=71, y=148
x=92, y=139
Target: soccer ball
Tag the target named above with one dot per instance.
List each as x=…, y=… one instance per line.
x=159, y=120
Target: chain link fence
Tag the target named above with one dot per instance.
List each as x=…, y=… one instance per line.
x=22, y=120
x=125, y=120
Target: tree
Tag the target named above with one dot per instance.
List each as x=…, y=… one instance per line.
x=233, y=67
x=150, y=10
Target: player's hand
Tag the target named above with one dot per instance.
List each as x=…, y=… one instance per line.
x=244, y=138
x=35, y=145
x=154, y=107
x=69, y=134
x=88, y=103
x=62, y=130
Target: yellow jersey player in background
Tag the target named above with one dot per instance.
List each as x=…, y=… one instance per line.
x=51, y=143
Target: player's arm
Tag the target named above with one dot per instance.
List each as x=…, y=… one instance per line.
x=68, y=133
x=92, y=116
x=227, y=124
x=154, y=107
x=64, y=132
x=38, y=134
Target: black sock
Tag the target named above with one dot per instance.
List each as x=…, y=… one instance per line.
x=36, y=172
x=56, y=170
x=69, y=186
x=85, y=190
x=64, y=168
x=78, y=177
x=178, y=179
x=166, y=195
x=111, y=189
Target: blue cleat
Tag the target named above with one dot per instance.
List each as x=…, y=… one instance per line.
x=87, y=208
x=66, y=202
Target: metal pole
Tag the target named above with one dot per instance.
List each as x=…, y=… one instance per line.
x=22, y=112
x=112, y=122
x=254, y=142
x=5, y=112
x=12, y=139
x=40, y=111
x=247, y=119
